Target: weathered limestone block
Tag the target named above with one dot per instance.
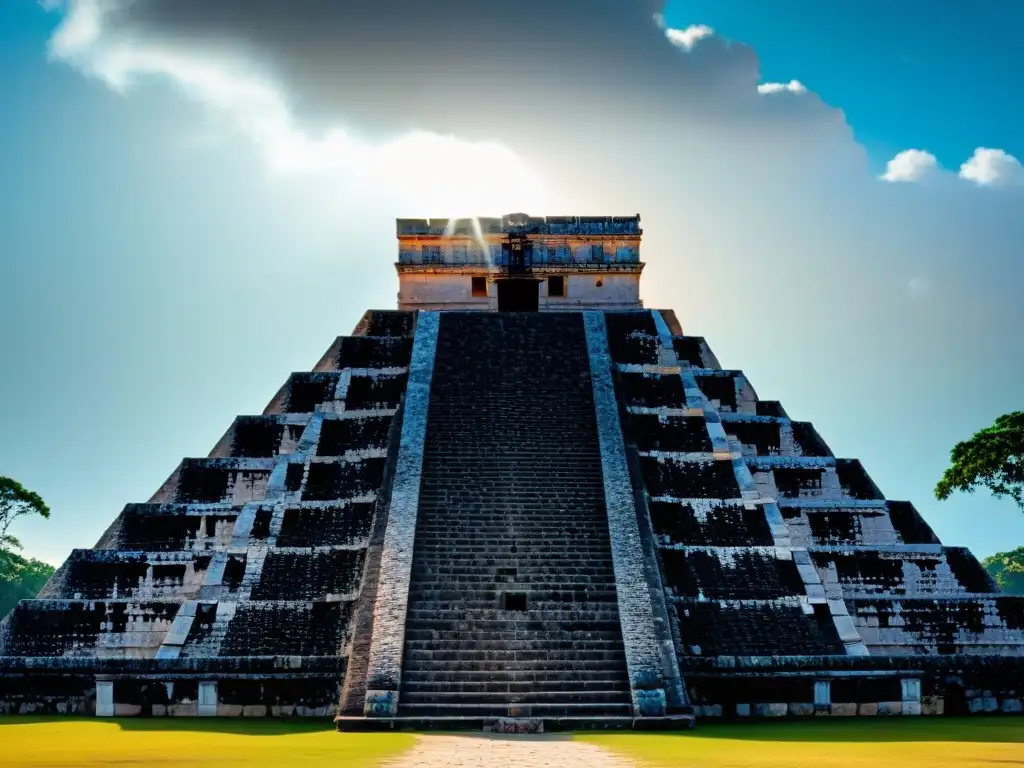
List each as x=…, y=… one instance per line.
x=772, y=709
x=932, y=705
x=890, y=707
x=844, y=709
x=381, y=703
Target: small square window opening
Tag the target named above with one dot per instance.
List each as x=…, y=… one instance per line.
x=479, y=286
x=556, y=285
x=515, y=601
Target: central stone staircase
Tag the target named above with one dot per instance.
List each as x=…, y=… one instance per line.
x=512, y=610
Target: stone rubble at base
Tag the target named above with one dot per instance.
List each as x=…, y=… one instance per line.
x=559, y=519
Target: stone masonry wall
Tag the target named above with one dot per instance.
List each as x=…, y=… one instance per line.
x=256, y=551
x=636, y=613
x=387, y=646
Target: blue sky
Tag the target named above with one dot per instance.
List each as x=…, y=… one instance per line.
x=160, y=275
x=942, y=74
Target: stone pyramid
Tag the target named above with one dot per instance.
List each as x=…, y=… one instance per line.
x=522, y=500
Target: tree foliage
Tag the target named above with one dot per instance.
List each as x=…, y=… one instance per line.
x=17, y=501
x=993, y=458
x=20, y=579
x=1007, y=568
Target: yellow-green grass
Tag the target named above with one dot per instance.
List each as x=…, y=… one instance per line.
x=64, y=742
x=897, y=742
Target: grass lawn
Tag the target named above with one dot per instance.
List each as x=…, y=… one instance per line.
x=136, y=743
x=897, y=742
x=27, y=742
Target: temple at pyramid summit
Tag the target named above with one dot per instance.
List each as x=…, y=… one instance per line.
x=520, y=500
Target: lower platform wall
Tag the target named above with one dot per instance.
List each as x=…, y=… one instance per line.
x=39, y=695
x=45, y=695
x=763, y=697
x=851, y=687
x=977, y=703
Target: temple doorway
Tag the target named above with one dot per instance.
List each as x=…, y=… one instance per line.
x=518, y=295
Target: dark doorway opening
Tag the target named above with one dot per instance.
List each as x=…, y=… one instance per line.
x=514, y=601
x=518, y=296
x=955, y=704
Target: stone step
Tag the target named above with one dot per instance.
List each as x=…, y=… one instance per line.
x=503, y=548
x=557, y=613
x=488, y=581
x=442, y=470
x=468, y=513
x=467, y=630
x=515, y=651
x=465, y=599
x=513, y=629
x=492, y=698
x=525, y=561
x=466, y=607
x=561, y=709
x=476, y=723
x=583, y=549
x=538, y=677
x=530, y=540
x=545, y=647
x=443, y=513
x=538, y=687
x=490, y=619
x=446, y=666
x=450, y=513
x=512, y=499
x=585, y=576
x=522, y=533
x=524, y=631
x=484, y=589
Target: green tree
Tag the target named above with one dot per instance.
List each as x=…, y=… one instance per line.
x=20, y=578
x=1007, y=568
x=17, y=501
x=993, y=458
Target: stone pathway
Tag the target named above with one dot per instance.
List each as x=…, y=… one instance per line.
x=499, y=751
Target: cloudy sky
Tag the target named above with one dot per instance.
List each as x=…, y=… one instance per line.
x=198, y=195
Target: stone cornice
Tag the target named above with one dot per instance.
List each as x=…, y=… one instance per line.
x=498, y=270
x=500, y=237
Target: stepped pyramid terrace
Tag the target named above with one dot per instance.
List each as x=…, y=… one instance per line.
x=520, y=500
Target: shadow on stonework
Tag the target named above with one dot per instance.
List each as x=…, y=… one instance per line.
x=284, y=726
x=992, y=729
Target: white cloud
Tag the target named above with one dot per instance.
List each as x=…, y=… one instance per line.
x=696, y=98
x=911, y=165
x=992, y=167
x=441, y=174
x=986, y=167
x=793, y=86
x=689, y=37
